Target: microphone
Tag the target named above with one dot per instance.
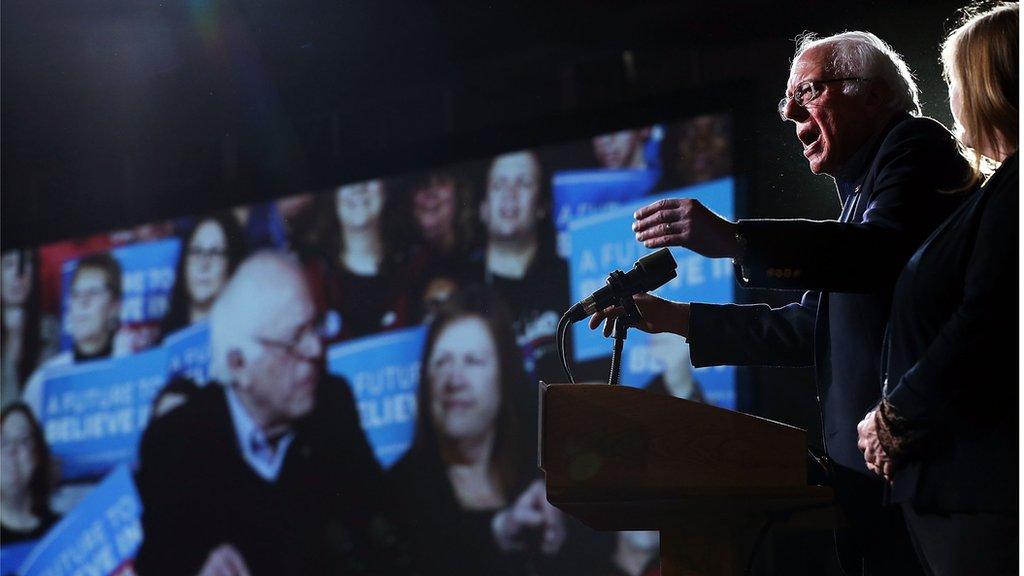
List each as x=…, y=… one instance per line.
x=649, y=273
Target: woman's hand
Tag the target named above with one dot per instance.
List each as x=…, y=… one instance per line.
x=875, y=457
x=530, y=519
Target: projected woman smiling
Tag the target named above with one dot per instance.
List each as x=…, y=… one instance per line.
x=465, y=397
x=473, y=501
x=92, y=320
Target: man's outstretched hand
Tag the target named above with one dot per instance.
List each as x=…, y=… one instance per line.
x=687, y=223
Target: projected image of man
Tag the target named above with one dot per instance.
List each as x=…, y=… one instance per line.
x=265, y=470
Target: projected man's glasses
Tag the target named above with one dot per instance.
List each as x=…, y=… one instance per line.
x=304, y=345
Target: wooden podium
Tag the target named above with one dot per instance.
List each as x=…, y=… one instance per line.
x=709, y=479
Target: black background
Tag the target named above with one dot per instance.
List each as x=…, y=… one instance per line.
x=117, y=112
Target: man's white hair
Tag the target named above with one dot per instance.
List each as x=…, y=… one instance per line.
x=864, y=55
x=262, y=283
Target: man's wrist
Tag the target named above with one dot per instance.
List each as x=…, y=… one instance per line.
x=739, y=252
x=739, y=258
x=681, y=326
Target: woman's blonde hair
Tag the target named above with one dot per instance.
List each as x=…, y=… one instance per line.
x=981, y=57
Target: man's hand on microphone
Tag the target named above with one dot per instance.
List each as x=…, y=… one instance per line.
x=687, y=223
x=659, y=315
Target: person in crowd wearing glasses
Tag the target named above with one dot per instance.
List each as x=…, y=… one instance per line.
x=519, y=257
x=945, y=434
x=210, y=252
x=20, y=321
x=92, y=319
x=854, y=105
x=265, y=470
x=25, y=512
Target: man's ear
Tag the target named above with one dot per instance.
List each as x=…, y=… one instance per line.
x=236, y=365
x=483, y=211
x=878, y=93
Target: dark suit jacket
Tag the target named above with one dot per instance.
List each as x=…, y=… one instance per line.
x=322, y=515
x=952, y=363
x=892, y=202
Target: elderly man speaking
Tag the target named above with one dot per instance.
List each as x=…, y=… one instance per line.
x=265, y=470
x=855, y=108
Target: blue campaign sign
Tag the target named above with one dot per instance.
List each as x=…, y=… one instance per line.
x=99, y=536
x=383, y=371
x=605, y=242
x=647, y=357
x=718, y=384
x=579, y=193
x=652, y=147
x=93, y=413
x=188, y=352
x=13, y=555
x=147, y=277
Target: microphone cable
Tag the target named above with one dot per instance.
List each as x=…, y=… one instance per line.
x=563, y=327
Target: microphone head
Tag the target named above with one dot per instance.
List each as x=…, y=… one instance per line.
x=657, y=268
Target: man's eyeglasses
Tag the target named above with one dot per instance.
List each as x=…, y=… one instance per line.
x=299, y=345
x=807, y=91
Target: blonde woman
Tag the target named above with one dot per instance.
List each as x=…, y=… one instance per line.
x=945, y=434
